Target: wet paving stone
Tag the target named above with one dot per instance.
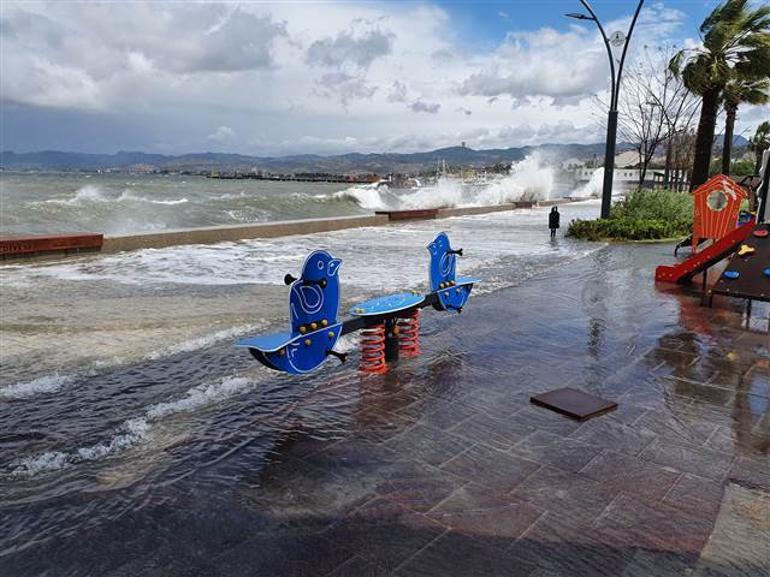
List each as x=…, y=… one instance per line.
x=350, y=457
x=497, y=432
x=684, y=427
x=549, y=449
x=283, y=554
x=647, y=563
x=455, y=554
x=630, y=474
x=427, y=444
x=751, y=472
x=295, y=493
x=384, y=533
x=619, y=437
x=360, y=567
x=545, y=420
x=560, y=545
x=477, y=512
x=494, y=469
x=417, y=486
x=573, y=497
x=689, y=459
x=740, y=541
x=634, y=523
x=696, y=494
x=445, y=414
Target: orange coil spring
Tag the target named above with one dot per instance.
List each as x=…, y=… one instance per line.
x=409, y=334
x=373, y=350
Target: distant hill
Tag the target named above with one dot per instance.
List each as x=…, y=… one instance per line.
x=738, y=141
x=380, y=163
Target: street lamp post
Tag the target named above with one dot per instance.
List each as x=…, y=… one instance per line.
x=612, y=117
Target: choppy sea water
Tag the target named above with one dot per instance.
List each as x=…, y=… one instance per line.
x=124, y=203
x=119, y=375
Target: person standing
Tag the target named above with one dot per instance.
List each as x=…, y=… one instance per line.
x=553, y=221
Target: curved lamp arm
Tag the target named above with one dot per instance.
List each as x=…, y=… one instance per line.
x=587, y=6
x=625, y=46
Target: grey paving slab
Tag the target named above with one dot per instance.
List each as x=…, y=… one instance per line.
x=494, y=469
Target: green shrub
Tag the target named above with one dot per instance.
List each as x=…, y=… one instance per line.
x=642, y=215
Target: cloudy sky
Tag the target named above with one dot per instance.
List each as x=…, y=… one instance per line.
x=312, y=77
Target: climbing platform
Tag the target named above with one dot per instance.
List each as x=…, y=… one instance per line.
x=747, y=274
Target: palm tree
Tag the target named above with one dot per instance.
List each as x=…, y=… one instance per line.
x=759, y=143
x=736, y=92
x=736, y=41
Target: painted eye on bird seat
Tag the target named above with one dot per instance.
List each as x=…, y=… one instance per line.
x=320, y=265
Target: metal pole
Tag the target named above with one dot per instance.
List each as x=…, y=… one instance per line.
x=612, y=116
x=763, y=195
x=609, y=162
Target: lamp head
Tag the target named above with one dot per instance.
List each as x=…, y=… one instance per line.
x=579, y=16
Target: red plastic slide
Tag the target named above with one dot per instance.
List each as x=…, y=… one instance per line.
x=709, y=256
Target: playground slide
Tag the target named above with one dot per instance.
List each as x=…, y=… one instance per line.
x=685, y=270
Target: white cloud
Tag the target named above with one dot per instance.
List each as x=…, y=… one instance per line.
x=222, y=134
x=397, y=92
x=290, y=77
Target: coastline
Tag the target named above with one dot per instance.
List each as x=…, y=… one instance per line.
x=9, y=250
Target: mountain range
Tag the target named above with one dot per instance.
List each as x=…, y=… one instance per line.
x=380, y=163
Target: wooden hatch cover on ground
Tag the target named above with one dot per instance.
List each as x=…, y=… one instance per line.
x=574, y=403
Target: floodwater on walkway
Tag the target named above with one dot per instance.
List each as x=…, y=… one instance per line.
x=134, y=440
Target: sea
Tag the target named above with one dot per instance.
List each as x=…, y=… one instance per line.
x=122, y=203
x=119, y=377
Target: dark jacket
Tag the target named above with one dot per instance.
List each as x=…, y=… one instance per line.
x=553, y=219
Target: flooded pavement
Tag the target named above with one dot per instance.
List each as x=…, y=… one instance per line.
x=440, y=467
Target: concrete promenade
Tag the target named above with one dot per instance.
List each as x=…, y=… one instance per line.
x=442, y=467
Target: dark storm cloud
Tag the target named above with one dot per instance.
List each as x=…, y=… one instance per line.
x=70, y=55
x=420, y=106
x=348, y=48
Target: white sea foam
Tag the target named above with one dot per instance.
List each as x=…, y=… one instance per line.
x=203, y=341
x=201, y=396
x=128, y=195
x=91, y=193
x=39, y=386
x=593, y=188
x=85, y=194
x=133, y=431
x=367, y=196
x=530, y=179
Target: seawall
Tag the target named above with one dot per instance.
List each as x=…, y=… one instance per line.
x=214, y=234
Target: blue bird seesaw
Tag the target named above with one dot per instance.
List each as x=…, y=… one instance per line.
x=389, y=323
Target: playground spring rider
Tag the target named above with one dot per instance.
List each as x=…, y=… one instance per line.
x=389, y=324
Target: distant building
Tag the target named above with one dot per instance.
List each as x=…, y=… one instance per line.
x=626, y=169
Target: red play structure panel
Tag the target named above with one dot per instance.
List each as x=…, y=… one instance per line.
x=709, y=256
x=716, y=204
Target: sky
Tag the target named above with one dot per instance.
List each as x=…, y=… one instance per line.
x=272, y=79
